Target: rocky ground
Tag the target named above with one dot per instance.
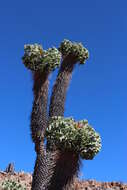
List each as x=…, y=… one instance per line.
x=26, y=178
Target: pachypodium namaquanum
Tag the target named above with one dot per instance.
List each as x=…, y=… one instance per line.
x=67, y=141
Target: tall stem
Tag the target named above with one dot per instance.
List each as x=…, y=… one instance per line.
x=65, y=171
x=38, y=126
x=43, y=170
x=66, y=164
x=39, y=110
x=60, y=87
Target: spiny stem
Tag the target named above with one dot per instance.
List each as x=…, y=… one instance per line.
x=64, y=169
x=60, y=87
x=38, y=125
x=39, y=111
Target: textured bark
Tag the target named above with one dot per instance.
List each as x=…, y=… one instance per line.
x=38, y=182
x=66, y=164
x=66, y=167
x=60, y=87
x=38, y=126
x=43, y=170
x=39, y=111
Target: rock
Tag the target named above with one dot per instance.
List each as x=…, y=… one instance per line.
x=10, y=168
x=26, y=180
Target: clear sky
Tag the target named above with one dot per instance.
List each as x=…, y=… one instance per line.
x=98, y=90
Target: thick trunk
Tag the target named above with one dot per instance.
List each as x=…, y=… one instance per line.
x=66, y=164
x=38, y=126
x=60, y=87
x=39, y=111
x=65, y=171
x=42, y=170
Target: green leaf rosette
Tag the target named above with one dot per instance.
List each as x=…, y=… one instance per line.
x=75, y=49
x=90, y=141
x=37, y=59
x=68, y=135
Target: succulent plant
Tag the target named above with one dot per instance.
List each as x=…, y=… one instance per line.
x=67, y=139
x=36, y=59
x=67, y=134
x=12, y=185
x=52, y=58
x=76, y=49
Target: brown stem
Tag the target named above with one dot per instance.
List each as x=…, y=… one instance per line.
x=66, y=164
x=60, y=87
x=66, y=169
x=38, y=126
x=39, y=111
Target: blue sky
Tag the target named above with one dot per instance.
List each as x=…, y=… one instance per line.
x=98, y=90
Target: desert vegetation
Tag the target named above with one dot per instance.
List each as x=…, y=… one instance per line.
x=57, y=163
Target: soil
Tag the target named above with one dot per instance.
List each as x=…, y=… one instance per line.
x=26, y=179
